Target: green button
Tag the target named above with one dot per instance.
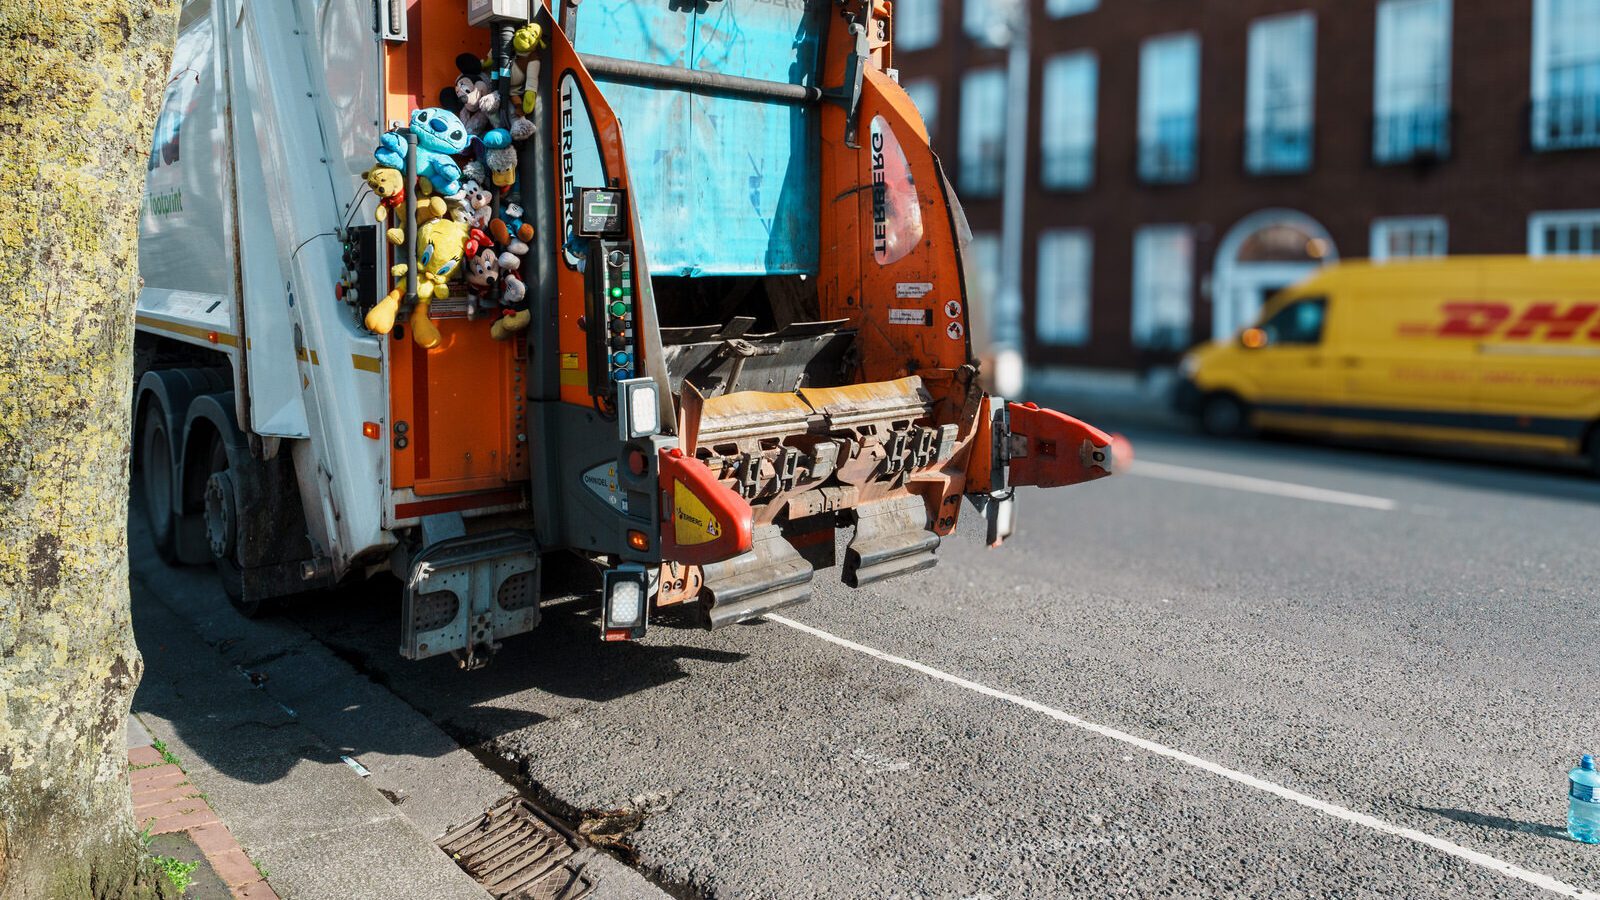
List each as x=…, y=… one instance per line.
x=618, y=308
x=616, y=292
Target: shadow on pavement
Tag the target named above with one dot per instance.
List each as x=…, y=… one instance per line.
x=255, y=698
x=1465, y=817
x=564, y=658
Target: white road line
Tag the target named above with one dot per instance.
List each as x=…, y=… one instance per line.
x=1169, y=472
x=1338, y=812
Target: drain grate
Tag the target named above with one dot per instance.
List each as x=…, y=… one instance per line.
x=517, y=853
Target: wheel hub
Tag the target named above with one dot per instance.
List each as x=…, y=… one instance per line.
x=221, y=517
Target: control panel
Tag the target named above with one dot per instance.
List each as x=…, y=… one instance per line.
x=358, y=282
x=609, y=324
x=601, y=213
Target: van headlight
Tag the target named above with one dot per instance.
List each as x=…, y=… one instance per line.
x=1189, y=365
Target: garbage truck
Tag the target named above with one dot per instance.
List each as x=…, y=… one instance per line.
x=662, y=303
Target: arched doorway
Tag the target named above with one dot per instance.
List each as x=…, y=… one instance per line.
x=1262, y=254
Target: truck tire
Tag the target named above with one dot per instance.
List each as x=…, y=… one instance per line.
x=156, y=473
x=1591, y=450
x=1224, y=415
x=222, y=529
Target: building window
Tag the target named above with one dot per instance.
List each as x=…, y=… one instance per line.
x=1061, y=8
x=1163, y=284
x=1566, y=74
x=1571, y=233
x=1068, y=127
x=924, y=92
x=916, y=24
x=1402, y=238
x=983, y=125
x=1061, y=300
x=1411, y=95
x=1169, y=104
x=1280, y=96
x=984, y=21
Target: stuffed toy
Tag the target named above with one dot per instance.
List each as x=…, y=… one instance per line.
x=517, y=317
x=522, y=127
x=513, y=240
x=501, y=158
x=473, y=96
x=440, y=136
x=483, y=277
x=389, y=186
x=442, y=243
x=477, y=205
x=428, y=209
x=527, y=39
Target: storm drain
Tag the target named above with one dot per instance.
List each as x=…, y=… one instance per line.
x=517, y=853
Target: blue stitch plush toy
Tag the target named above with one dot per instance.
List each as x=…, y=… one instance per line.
x=440, y=135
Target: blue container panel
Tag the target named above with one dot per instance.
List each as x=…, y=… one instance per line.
x=724, y=186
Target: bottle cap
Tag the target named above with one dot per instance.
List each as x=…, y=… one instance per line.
x=1587, y=764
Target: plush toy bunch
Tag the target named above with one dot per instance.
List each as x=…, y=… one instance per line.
x=469, y=217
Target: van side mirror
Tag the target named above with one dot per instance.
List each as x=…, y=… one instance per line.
x=1253, y=338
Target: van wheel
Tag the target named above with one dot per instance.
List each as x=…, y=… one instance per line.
x=155, y=474
x=1224, y=415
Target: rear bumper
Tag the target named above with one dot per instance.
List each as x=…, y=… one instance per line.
x=1186, y=397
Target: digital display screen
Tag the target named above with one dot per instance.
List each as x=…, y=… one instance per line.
x=605, y=208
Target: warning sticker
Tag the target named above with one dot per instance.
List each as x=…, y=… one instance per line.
x=602, y=482
x=955, y=331
x=910, y=316
x=569, y=360
x=952, y=308
x=914, y=290
x=692, y=523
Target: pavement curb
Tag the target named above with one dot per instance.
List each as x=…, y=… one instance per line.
x=166, y=801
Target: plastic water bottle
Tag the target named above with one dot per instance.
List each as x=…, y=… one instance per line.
x=1583, y=802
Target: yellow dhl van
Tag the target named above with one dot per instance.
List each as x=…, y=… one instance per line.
x=1489, y=351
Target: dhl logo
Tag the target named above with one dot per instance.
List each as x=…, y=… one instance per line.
x=1489, y=318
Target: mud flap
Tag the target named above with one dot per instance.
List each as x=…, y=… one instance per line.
x=892, y=538
x=464, y=594
x=771, y=575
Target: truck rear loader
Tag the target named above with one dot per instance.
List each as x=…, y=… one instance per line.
x=661, y=299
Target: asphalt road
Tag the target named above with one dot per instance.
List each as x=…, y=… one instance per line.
x=1255, y=669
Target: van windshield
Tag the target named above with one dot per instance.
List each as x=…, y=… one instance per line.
x=1298, y=323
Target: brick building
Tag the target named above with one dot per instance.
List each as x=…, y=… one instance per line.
x=1188, y=157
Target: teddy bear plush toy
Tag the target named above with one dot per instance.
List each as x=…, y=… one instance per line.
x=440, y=137
x=389, y=186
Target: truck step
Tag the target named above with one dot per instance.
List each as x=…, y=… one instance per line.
x=771, y=575
x=892, y=538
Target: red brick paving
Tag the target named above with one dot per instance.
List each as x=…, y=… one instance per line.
x=165, y=801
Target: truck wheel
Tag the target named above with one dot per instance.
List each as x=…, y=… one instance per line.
x=1591, y=451
x=222, y=529
x=1224, y=415
x=155, y=476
